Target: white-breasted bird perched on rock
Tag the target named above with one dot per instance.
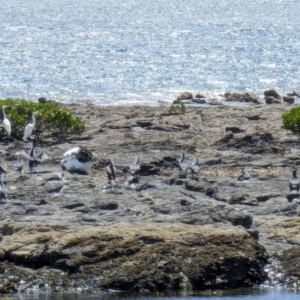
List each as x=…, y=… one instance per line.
x=183, y=167
x=29, y=127
x=294, y=183
x=6, y=122
x=195, y=168
x=78, y=159
x=245, y=174
x=33, y=160
x=111, y=171
x=134, y=170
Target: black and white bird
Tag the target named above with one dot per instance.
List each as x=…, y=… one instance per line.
x=33, y=159
x=195, y=168
x=3, y=193
x=134, y=170
x=111, y=171
x=183, y=167
x=245, y=174
x=77, y=159
x=6, y=122
x=19, y=165
x=29, y=128
x=294, y=183
x=3, y=168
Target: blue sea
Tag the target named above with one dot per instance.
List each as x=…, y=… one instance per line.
x=246, y=294
x=140, y=51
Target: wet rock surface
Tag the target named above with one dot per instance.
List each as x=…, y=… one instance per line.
x=165, y=231
x=140, y=257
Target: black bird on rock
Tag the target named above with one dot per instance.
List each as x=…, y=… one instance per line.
x=294, y=183
x=3, y=194
x=134, y=170
x=33, y=160
x=111, y=171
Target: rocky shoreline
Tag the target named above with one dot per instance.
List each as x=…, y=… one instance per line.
x=166, y=232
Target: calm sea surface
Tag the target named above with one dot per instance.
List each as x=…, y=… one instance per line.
x=141, y=51
x=265, y=294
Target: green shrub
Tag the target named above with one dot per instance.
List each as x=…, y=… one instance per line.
x=177, y=109
x=291, y=119
x=51, y=118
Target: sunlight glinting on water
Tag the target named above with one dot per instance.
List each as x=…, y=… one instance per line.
x=135, y=52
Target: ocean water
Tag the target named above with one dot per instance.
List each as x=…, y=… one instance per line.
x=263, y=294
x=140, y=51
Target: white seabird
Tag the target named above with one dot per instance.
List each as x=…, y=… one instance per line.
x=77, y=159
x=29, y=128
x=6, y=122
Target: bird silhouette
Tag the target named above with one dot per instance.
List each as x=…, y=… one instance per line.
x=111, y=171
x=294, y=182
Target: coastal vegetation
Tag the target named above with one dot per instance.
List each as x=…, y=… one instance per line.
x=291, y=119
x=177, y=109
x=51, y=119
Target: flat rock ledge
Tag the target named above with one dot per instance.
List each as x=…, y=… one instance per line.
x=140, y=257
x=167, y=232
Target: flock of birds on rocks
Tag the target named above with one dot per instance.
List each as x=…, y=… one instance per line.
x=80, y=159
